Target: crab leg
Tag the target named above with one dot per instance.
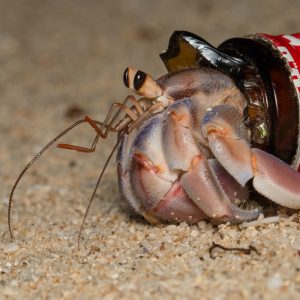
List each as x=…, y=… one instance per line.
x=273, y=178
x=231, y=187
x=203, y=187
x=201, y=178
x=165, y=199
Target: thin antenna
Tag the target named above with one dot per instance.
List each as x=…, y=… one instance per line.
x=30, y=164
x=96, y=187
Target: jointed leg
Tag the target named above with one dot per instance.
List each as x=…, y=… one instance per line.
x=144, y=116
x=102, y=129
x=79, y=148
x=108, y=125
x=202, y=186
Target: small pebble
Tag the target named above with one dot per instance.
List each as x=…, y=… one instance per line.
x=171, y=227
x=274, y=282
x=202, y=224
x=198, y=280
x=251, y=232
x=296, y=244
x=132, y=229
x=11, y=247
x=232, y=233
x=114, y=275
x=194, y=233
x=4, y=200
x=16, y=263
x=146, y=250
x=14, y=283
x=94, y=249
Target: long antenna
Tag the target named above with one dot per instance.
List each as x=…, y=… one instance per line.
x=95, y=189
x=29, y=165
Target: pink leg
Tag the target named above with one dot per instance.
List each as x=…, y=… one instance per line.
x=148, y=185
x=177, y=206
x=203, y=187
x=271, y=177
x=179, y=144
x=230, y=186
x=275, y=179
x=160, y=197
x=205, y=182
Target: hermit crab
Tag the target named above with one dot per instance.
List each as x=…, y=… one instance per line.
x=196, y=139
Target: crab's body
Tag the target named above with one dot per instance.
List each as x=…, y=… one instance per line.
x=185, y=152
x=192, y=160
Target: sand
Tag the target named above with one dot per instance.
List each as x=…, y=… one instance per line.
x=61, y=60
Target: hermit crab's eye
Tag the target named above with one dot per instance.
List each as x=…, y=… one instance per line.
x=126, y=77
x=142, y=83
x=139, y=79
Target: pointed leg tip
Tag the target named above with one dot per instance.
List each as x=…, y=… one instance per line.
x=240, y=215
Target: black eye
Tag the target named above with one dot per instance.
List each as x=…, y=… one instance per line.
x=125, y=78
x=139, y=80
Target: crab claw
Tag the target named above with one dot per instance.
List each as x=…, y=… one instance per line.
x=273, y=178
x=222, y=127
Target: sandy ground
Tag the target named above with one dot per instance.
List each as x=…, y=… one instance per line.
x=57, y=55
